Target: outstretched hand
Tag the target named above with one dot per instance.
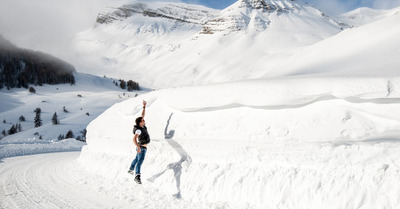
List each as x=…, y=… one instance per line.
x=144, y=103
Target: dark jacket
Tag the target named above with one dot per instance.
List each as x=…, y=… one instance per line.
x=144, y=137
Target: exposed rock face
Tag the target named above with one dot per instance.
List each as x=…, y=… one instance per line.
x=176, y=12
x=236, y=17
x=256, y=14
x=258, y=4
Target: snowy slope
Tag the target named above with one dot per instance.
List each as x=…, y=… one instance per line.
x=240, y=42
x=301, y=142
x=84, y=101
x=369, y=50
x=365, y=15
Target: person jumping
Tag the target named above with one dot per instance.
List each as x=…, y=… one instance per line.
x=141, y=139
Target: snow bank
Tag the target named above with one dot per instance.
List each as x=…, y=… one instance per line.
x=296, y=142
x=36, y=146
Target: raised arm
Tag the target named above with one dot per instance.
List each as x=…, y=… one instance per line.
x=144, y=108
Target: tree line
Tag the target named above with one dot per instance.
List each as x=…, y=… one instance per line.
x=21, y=67
x=130, y=85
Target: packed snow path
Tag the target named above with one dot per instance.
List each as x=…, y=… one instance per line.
x=47, y=181
x=56, y=180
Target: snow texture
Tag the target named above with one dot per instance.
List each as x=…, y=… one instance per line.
x=269, y=104
x=302, y=142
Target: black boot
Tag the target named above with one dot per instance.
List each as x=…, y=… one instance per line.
x=137, y=179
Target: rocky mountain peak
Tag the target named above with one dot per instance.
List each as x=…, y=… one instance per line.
x=178, y=12
x=257, y=4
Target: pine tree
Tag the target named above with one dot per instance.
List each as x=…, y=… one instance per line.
x=12, y=130
x=122, y=84
x=37, y=120
x=83, y=132
x=55, y=119
x=69, y=134
x=4, y=132
x=21, y=118
x=133, y=85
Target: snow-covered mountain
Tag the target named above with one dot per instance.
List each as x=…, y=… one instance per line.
x=259, y=15
x=173, y=44
x=369, y=50
x=177, y=12
x=365, y=15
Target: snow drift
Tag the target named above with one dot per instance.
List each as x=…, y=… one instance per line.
x=301, y=142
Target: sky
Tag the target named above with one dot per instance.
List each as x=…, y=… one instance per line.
x=49, y=25
x=330, y=6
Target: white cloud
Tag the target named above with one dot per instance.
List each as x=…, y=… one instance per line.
x=47, y=25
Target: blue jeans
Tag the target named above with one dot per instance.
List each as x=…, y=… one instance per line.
x=138, y=160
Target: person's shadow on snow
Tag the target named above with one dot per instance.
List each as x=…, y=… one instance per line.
x=171, y=133
x=177, y=166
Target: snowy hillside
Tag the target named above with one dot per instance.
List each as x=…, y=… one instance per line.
x=301, y=142
x=240, y=42
x=369, y=50
x=82, y=102
x=362, y=16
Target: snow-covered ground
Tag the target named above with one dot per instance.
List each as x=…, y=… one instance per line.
x=84, y=101
x=56, y=181
x=301, y=142
x=316, y=126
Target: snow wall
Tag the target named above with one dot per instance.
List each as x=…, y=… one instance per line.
x=278, y=143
